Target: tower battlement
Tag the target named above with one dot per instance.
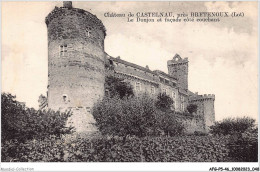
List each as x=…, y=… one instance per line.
x=59, y=12
x=204, y=97
x=177, y=60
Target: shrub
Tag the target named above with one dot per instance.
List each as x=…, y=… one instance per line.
x=117, y=87
x=19, y=122
x=136, y=116
x=200, y=133
x=48, y=149
x=232, y=125
x=168, y=123
x=244, y=146
x=128, y=116
x=164, y=102
x=192, y=108
x=118, y=149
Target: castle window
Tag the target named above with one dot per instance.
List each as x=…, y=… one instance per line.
x=174, y=105
x=107, y=92
x=173, y=95
x=165, y=90
x=65, y=98
x=161, y=79
x=182, y=107
x=63, y=50
x=88, y=31
x=138, y=86
x=152, y=90
x=166, y=81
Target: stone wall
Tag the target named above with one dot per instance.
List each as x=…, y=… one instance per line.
x=145, y=85
x=148, y=80
x=192, y=125
x=209, y=113
x=76, y=71
x=205, y=104
x=75, y=58
x=82, y=120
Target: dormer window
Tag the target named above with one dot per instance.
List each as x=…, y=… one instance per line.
x=63, y=50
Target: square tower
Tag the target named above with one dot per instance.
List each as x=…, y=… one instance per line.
x=178, y=68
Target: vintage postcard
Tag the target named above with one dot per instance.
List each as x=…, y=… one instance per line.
x=170, y=81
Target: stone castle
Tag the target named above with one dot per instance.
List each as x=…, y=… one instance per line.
x=77, y=69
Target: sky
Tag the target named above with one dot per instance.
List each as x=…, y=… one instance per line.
x=223, y=56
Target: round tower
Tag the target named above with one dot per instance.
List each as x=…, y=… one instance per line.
x=75, y=58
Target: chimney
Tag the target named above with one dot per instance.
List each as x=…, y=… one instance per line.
x=67, y=4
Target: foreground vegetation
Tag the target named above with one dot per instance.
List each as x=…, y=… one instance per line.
x=21, y=123
x=132, y=129
x=131, y=149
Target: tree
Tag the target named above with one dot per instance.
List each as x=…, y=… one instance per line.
x=19, y=122
x=136, y=116
x=243, y=147
x=192, y=108
x=168, y=123
x=164, y=102
x=232, y=125
x=118, y=87
x=127, y=116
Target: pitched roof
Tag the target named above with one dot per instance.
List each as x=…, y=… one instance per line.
x=165, y=74
x=131, y=64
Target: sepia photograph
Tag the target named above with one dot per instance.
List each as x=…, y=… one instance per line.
x=115, y=81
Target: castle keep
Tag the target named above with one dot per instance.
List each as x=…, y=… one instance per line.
x=76, y=70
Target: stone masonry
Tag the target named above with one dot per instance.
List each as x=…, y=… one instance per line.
x=76, y=71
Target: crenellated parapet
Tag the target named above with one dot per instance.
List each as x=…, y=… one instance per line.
x=177, y=60
x=84, y=15
x=205, y=107
x=204, y=97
